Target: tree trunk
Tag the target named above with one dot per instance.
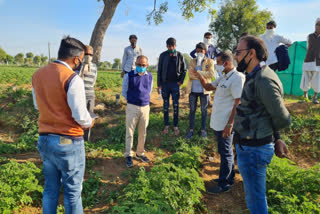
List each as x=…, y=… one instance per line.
x=101, y=28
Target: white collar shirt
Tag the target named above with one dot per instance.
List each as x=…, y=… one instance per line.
x=228, y=88
x=272, y=43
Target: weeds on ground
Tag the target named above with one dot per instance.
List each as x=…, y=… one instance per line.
x=292, y=189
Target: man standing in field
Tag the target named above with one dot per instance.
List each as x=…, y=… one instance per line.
x=226, y=99
x=311, y=65
x=272, y=41
x=260, y=116
x=58, y=93
x=130, y=55
x=88, y=73
x=171, y=74
x=136, y=89
x=212, y=51
x=204, y=66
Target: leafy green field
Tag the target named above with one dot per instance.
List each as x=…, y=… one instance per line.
x=174, y=180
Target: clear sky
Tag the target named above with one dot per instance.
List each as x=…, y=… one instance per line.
x=28, y=26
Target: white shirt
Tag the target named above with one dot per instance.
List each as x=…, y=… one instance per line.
x=228, y=88
x=129, y=58
x=272, y=43
x=76, y=99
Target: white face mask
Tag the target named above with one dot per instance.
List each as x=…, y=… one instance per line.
x=200, y=57
x=220, y=68
x=207, y=41
x=270, y=32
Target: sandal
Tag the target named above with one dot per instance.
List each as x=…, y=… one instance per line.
x=165, y=130
x=176, y=131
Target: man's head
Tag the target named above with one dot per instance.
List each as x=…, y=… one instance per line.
x=141, y=64
x=171, y=45
x=133, y=40
x=207, y=35
x=271, y=25
x=318, y=26
x=224, y=62
x=251, y=49
x=88, y=54
x=71, y=51
x=207, y=38
x=201, y=48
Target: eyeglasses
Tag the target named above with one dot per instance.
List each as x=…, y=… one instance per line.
x=239, y=51
x=318, y=24
x=142, y=65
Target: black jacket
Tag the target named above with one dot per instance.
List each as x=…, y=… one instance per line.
x=283, y=57
x=163, y=67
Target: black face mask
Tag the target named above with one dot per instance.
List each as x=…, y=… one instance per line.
x=77, y=68
x=242, y=65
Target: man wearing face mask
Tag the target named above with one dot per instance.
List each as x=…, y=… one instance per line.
x=212, y=51
x=88, y=72
x=171, y=74
x=205, y=67
x=59, y=95
x=136, y=89
x=226, y=99
x=311, y=65
x=260, y=116
x=272, y=41
x=130, y=55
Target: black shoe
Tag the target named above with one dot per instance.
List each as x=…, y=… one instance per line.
x=218, y=189
x=143, y=158
x=189, y=135
x=129, y=162
x=217, y=181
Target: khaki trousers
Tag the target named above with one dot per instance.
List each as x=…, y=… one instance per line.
x=136, y=115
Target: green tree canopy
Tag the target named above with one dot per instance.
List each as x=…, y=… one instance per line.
x=9, y=59
x=29, y=55
x=37, y=60
x=44, y=59
x=236, y=17
x=116, y=63
x=19, y=58
x=3, y=55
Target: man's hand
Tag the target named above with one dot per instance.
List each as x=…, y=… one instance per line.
x=227, y=131
x=179, y=83
x=194, y=73
x=280, y=149
x=122, y=74
x=159, y=89
x=92, y=124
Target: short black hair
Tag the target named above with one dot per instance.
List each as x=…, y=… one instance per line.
x=201, y=45
x=133, y=37
x=273, y=23
x=225, y=56
x=171, y=41
x=207, y=34
x=244, y=34
x=70, y=47
x=258, y=45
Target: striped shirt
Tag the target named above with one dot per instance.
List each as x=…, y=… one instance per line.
x=89, y=80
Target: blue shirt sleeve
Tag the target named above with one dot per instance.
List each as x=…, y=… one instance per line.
x=193, y=53
x=125, y=82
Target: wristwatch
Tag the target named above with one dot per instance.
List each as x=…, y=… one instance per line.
x=229, y=125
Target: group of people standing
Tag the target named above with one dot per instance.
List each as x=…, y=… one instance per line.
x=248, y=109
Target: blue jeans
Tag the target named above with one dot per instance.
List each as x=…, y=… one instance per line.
x=226, y=172
x=173, y=89
x=193, y=99
x=252, y=164
x=62, y=164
